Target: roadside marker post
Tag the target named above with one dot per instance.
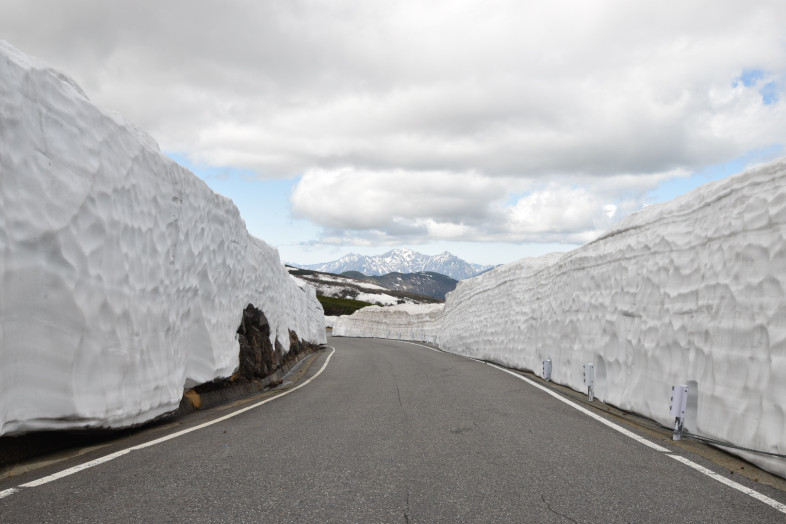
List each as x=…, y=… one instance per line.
x=589, y=380
x=679, y=401
x=547, y=370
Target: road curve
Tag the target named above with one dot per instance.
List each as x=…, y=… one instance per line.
x=389, y=432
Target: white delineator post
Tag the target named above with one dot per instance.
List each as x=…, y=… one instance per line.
x=589, y=380
x=547, y=370
x=679, y=401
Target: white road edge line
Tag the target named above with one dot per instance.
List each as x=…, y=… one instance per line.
x=720, y=478
x=587, y=412
x=7, y=492
x=600, y=419
x=739, y=487
x=112, y=456
x=421, y=345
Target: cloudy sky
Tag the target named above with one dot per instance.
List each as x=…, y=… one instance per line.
x=492, y=129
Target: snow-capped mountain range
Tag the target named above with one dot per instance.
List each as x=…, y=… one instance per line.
x=401, y=261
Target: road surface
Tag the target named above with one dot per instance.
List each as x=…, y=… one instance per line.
x=387, y=432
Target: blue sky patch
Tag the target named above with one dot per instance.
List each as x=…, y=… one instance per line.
x=769, y=93
x=749, y=78
x=263, y=204
x=675, y=187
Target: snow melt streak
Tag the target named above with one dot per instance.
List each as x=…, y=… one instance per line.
x=688, y=292
x=124, y=277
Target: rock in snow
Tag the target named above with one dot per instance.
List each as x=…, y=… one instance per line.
x=691, y=291
x=123, y=277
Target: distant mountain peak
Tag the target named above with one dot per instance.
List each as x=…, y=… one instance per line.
x=401, y=260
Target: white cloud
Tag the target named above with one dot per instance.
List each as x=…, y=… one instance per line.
x=360, y=207
x=554, y=209
x=401, y=200
x=410, y=120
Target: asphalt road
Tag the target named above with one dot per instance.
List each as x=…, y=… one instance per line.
x=388, y=432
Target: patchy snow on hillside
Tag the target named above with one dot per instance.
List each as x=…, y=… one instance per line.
x=123, y=277
x=328, y=285
x=691, y=292
x=379, y=299
x=342, y=281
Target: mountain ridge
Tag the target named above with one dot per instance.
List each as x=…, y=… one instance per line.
x=401, y=261
x=427, y=283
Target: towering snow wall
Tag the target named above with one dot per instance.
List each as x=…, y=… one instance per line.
x=404, y=322
x=123, y=277
x=688, y=292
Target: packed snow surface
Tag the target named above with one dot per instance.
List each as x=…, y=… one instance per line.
x=688, y=292
x=123, y=277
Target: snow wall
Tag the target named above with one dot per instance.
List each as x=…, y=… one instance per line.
x=123, y=277
x=692, y=292
x=401, y=322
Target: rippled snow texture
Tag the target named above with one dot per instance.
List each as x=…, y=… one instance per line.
x=123, y=277
x=687, y=292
